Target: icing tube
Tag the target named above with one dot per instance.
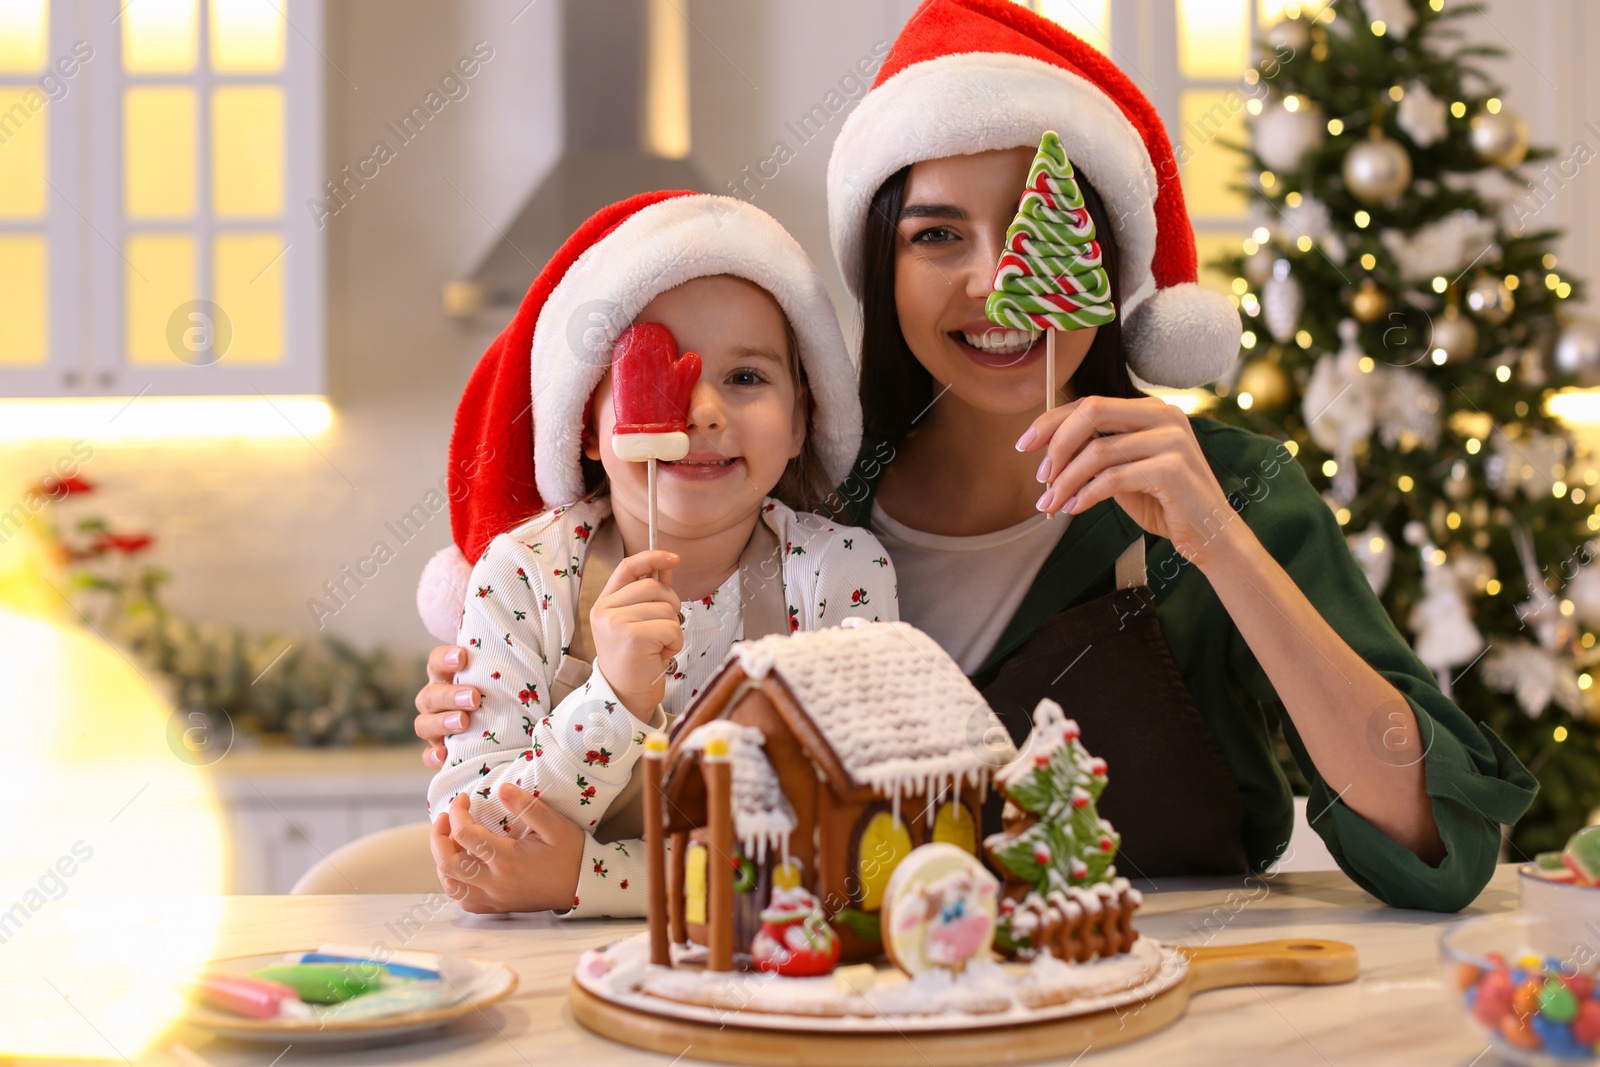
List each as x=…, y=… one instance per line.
x=427, y=961
x=240, y=994
x=364, y=965
x=322, y=983
x=650, y=387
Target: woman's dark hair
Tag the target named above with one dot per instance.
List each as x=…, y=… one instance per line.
x=895, y=388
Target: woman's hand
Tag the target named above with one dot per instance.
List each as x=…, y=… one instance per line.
x=443, y=707
x=488, y=873
x=1142, y=453
x=637, y=630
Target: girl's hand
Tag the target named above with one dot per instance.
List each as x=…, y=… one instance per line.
x=443, y=707
x=488, y=873
x=1142, y=453
x=637, y=630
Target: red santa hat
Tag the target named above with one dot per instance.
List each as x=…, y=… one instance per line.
x=969, y=76
x=529, y=395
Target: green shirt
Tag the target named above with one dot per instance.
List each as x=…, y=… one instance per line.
x=1474, y=781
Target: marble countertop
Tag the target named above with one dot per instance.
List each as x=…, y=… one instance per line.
x=1399, y=1011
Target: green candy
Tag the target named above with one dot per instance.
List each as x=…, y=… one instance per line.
x=1557, y=1003
x=321, y=983
x=1060, y=261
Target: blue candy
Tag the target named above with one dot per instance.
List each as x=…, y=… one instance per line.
x=1558, y=1040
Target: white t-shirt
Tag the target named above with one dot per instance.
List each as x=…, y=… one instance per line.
x=962, y=591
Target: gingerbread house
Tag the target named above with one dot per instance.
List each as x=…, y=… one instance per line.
x=818, y=760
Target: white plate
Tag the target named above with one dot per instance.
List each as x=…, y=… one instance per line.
x=494, y=982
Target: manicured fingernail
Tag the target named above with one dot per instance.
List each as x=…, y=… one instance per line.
x=463, y=698
x=1044, y=471
x=1071, y=500
x=1044, y=501
x=453, y=658
x=455, y=722
x=1026, y=441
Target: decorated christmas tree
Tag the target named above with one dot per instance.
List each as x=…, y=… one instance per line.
x=1405, y=325
x=1053, y=838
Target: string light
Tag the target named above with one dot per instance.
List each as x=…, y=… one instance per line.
x=1261, y=233
x=1503, y=373
x=1439, y=356
x=1303, y=243
x=1440, y=285
x=1379, y=28
x=1363, y=220
x=1492, y=587
x=1366, y=364
x=1248, y=339
x=1292, y=447
x=1396, y=93
x=1473, y=444
x=1335, y=126
x=1368, y=261
x=1405, y=483
x=1343, y=515
x=1250, y=246
x=1512, y=281
x=1302, y=338
x=1549, y=261
x=1291, y=103
x=1329, y=468
x=1563, y=291
x=1560, y=732
x=1253, y=106
x=1240, y=286
x=1458, y=109
x=1244, y=400
x=1492, y=105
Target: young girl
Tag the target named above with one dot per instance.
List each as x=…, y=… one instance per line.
x=579, y=648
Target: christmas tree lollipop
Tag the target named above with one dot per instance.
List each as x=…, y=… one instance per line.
x=650, y=387
x=1050, y=277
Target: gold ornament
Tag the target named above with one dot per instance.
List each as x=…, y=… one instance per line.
x=1454, y=333
x=1501, y=139
x=1377, y=169
x=1266, y=382
x=1369, y=302
x=1489, y=299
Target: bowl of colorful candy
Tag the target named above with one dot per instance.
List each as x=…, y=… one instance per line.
x=1565, y=882
x=1528, y=984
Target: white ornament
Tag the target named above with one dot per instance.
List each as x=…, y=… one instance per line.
x=1442, y=248
x=1584, y=588
x=1282, y=300
x=1282, y=137
x=1377, y=169
x=1577, y=353
x=1445, y=635
x=1396, y=15
x=1536, y=675
x=1310, y=218
x=1292, y=34
x=1340, y=408
x=1532, y=463
x=1501, y=138
x=1422, y=116
x=1408, y=408
x=1374, y=552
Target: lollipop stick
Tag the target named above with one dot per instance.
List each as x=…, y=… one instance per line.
x=651, y=479
x=1049, y=370
x=1049, y=380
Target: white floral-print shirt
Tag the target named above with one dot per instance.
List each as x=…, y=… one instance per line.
x=577, y=756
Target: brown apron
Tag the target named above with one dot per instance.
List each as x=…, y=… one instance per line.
x=763, y=610
x=1171, y=795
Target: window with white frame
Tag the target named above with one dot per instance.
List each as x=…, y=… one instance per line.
x=152, y=153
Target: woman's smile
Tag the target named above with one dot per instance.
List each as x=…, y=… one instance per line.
x=997, y=347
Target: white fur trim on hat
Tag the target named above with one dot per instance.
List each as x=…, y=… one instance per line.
x=1181, y=336
x=973, y=102
x=442, y=591
x=658, y=248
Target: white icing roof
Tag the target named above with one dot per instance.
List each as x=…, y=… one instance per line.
x=895, y=708
x=762, y=817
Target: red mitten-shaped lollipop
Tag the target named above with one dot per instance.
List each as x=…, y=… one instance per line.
x=650, y=387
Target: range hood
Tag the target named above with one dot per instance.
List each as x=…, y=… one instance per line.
x=625, y=96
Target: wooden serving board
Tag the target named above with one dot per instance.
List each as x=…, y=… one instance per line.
x=1295, y=962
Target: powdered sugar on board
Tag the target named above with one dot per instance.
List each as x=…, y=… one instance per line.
x=986, y=995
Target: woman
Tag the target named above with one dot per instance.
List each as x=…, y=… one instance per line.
x=1196, y=588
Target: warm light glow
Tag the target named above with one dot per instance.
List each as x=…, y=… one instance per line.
x=1575, y=407
x=1261, y=234
x=1213, y=38
x=1458, y=109
x=1368, y=261
x=1088, y=19
x=1303, y=243
x=24, y=36
x=1187, y=401
x=1473, y=444
x=1366, y=364
x=164, y=418
x=1210, y=170
x=1247, y=339
x=1303, y=338
x=1292, y=447
x=1439, y=356
x=1245, y=401
x=1440, y=284
x=667, y=80
x=160, y=36
x=247, y=148
x=1363, y=220
x=1492, y=105
x=1343, y=515
x=1379, y=28
x=158, y=149
x=1405, y=483
x=24, y=156
x=106, y=878
x=1492, y=587
x=247, y=36
x=1330, y=468
x=1336, y=126
x=24, y=303
x=1512, y=281
x=1503, y=373
x=1549, y=261
x=1560, y=732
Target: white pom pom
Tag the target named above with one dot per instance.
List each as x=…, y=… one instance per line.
x=1182, y=336
x=442, y=593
